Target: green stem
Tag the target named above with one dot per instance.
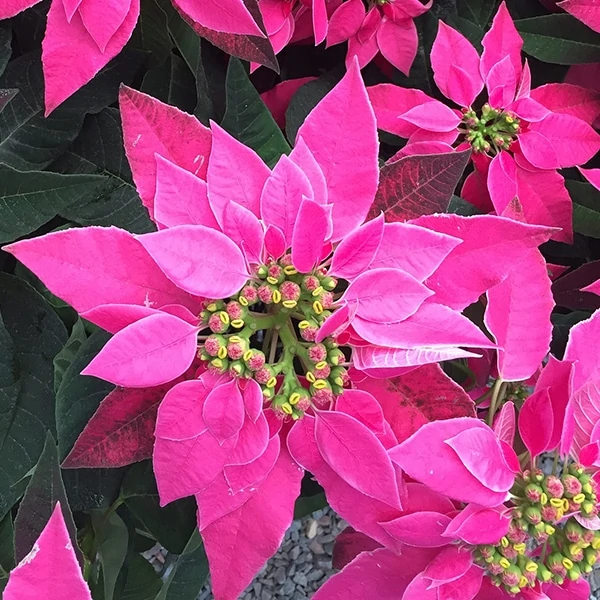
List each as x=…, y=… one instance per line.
x=497, y=394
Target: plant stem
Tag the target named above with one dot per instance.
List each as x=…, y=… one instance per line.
x=497, y=394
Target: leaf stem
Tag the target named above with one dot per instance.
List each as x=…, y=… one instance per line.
x=497, y=394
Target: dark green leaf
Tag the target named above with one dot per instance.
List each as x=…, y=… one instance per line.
x=559, y=39
x=45, y=489
x=112, y=541
x=65, y=357
x=30, y=199
x=304, y=100
x=458, y=206
x=6, y=96
x=586, y=208
x=89, y=489
x=561, y=327
x=143, y=583
x=171, y=82
x=478, y=12
x=5, y=45
x=172, y=525
x=188, y=573
x=79, y=396
x=28, y=141
x=7, y=543
x=306, y=505
x=151, y=32
x=248, y=119
x=99, y=149
x=27, y=401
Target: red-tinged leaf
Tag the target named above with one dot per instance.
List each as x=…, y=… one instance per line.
x=252, y=48
x=575, y=290
x=91, y=266
x=223, y=410
x=363, y=512
x=348, y=154
x=356, y=251
x=121, y=431
x=491, y=246
x=536, y=422
x=149, y=352
x=423, y=529
x=349, y=544
x=240, y=543
x=518, y=316
x=423, y=395
x=357, y=456
x=151, y=127
x=418, y=185
x=478, y=525
x=584, y=10
x=381, y=574
x=50, y=570
x=200, y=260
x=505, y=423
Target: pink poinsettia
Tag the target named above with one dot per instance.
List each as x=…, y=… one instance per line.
x=84, y=35
x=584, y=10
x=386, y=27
x=520, y=137
x=254, y=272
x=50, y=570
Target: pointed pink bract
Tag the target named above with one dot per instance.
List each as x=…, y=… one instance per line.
x=536, y=422
x=226, y=16
x=10, y=8
x=223, y=410
x=505, y=424
x=310, y=231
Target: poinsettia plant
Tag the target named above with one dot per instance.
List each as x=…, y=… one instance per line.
x=361, y=270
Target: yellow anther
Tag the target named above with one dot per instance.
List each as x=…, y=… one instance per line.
x=235, y=339
x=543, y=499
x=287, y=408
x=531, y=567
x=596, y=543
x=567, y=563
x=339, y=381
x=318, y=291
x=546, y=575
x=243, y=301
x=317, y=307
x=523, y=581
x=579, y=498
x=303, y=325
x=321, y=365
x=556, y=502
x=290, y=303
x=217, y=362
x=211, y=307
x=237, y=323
x=509, y=119
x=504, y=563
x=504, y=542
x=247, y=355
x=574, y=548
x=296, y=416
x=224, y=317
x=272, y=382
x=310, y=377
x=565, y=506
x=272, y=280
x=587, y=507
x=276, y=296
x=515, y=589
x=549, y=530
x=587, y=488
x=294, y=398
x=222, y=352
x=289, y=270
x=520, y=548
x=319, y=384
x=560, y=513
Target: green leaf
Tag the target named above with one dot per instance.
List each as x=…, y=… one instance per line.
x=5, y=45
x=143, y=583
x=306, y=505
x=459, y=206
x=31, y=336
x=171, y=525
x=28, y=140
x=188, y=574
x=586, y=208
x=30, y=199
x=99, y=149
x=79, y=396
x=171, y=82
x=45, y=489
x=151, y=32
x=304, y=100
x=6, y=96
x=561, y=327
x=7, y=543
x=65, y=357
x=112, y=541
x=248, y=119
x=478, y=12
x=559, y=39
x=89, y=489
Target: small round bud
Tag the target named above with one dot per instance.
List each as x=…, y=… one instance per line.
x=234, y=310
x=290, y=291
x=255, y=360
x=265, y=294
x=310, y=283
x=217, y=324
x=553, y=487
x=250, y=294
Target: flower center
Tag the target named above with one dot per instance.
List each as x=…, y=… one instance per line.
x=492, y=132
x=566, y=548
x=266, y=332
